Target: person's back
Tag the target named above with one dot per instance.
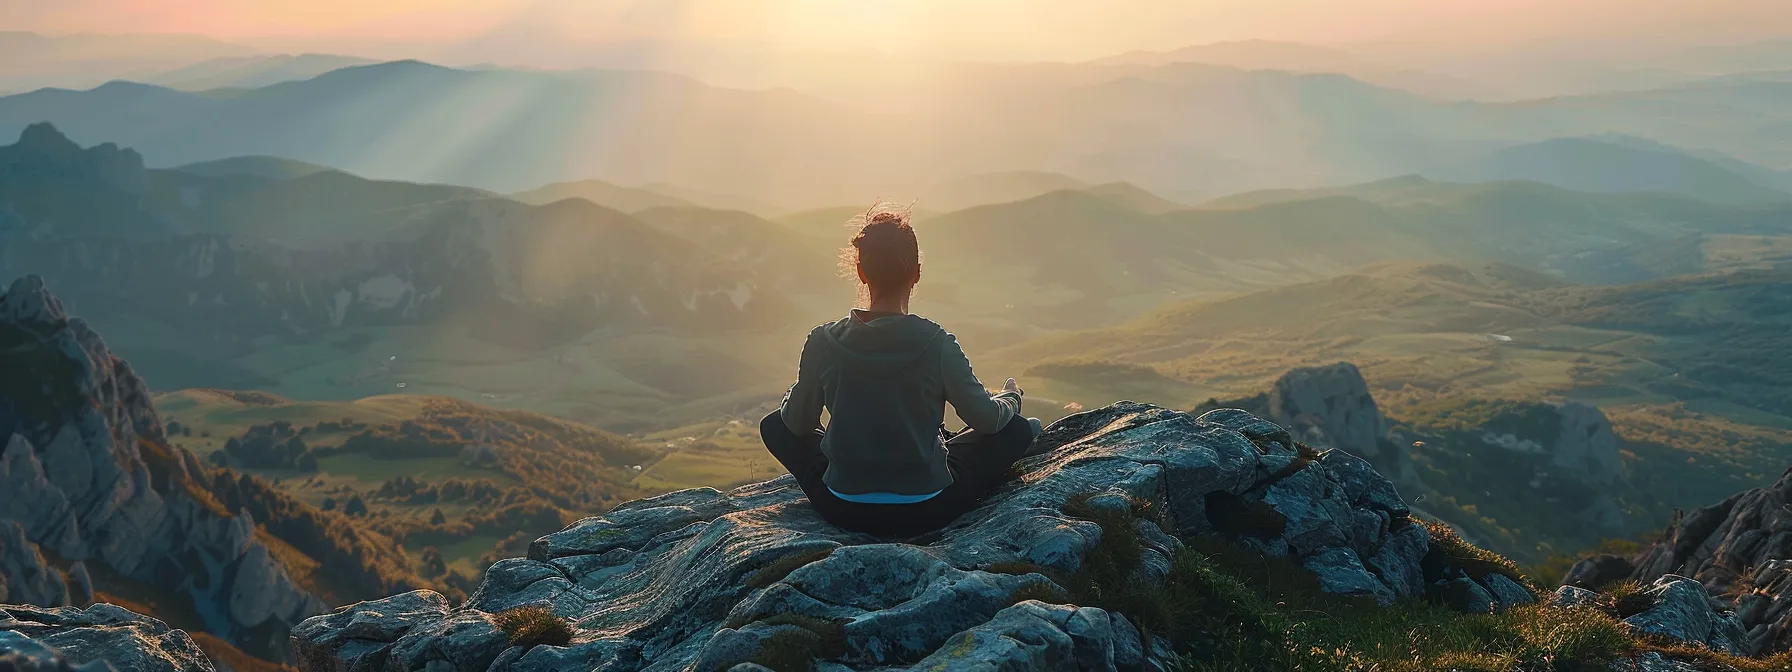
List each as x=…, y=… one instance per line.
x=884, y=463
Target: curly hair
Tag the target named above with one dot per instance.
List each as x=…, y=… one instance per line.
x=883, y=245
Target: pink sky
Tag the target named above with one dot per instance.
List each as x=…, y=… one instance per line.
x=978, y=28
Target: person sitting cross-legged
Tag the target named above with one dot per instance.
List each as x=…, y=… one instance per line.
x=885, y=464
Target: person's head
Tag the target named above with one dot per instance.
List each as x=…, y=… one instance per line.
x=884, y=255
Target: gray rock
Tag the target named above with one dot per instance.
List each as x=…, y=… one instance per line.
x=1572, y=596
x=1331, y=407
x=1506, y=592
x=1465, y=595
x=80, y=585
x=100, y=637
x=1585, y=445
x=25, y=578
x=1683, y=611
x=677, y=581
x=1740, y=546
x=1034, y=635
x=360, y=636
x=1651, y=662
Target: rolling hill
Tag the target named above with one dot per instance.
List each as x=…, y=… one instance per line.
x=1435, y=330
x=314, y=285
x=1589, y=164
x=1689, y=369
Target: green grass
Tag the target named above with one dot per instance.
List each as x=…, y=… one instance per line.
x=533, y=626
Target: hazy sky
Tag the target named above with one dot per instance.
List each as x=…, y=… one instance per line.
x=1019, y=29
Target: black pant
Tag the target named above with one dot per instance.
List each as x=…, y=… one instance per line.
x=978, y=462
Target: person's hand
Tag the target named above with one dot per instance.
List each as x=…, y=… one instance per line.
x=1014, y=387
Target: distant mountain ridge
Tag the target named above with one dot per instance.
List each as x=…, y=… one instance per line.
x=246, y=72
x=232, y=257
x=602, y=193
x=1599, y=165
x=1168, y=128
x=1297, y=57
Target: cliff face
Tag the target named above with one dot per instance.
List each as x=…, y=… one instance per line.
x=1740, y=548
x=87, y=475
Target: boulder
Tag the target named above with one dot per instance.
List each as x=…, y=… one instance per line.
x=100, y=637
x=1741, y=546
x=1585, y=444
x=702, y=579
x=1684, y=612
x=1573, y=596
x=1329, y=406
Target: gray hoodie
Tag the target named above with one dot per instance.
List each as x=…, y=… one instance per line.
x=885, y=384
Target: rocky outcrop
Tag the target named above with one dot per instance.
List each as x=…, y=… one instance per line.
x=1329, y=406
x=1742, y=548
x=100, y=638
x=1683, y=611
x=25, y=578
x=1675, y=608
x=1584, y=443
x=706, y=580
x=87, y=474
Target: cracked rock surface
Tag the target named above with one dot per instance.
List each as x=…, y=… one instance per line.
x=706, y=580
x=100, y=638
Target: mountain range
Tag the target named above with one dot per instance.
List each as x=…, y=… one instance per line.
x=1182, y=129
x=204, y=272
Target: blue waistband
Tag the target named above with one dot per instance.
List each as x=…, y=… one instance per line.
x=884, y=497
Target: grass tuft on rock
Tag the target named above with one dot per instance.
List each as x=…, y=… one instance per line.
x=534, y=625
x=1475, y=561
x=1625, y=599
x=797, y=648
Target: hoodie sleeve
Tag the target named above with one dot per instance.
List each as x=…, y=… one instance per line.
x=801, y=410
x=979, y=409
